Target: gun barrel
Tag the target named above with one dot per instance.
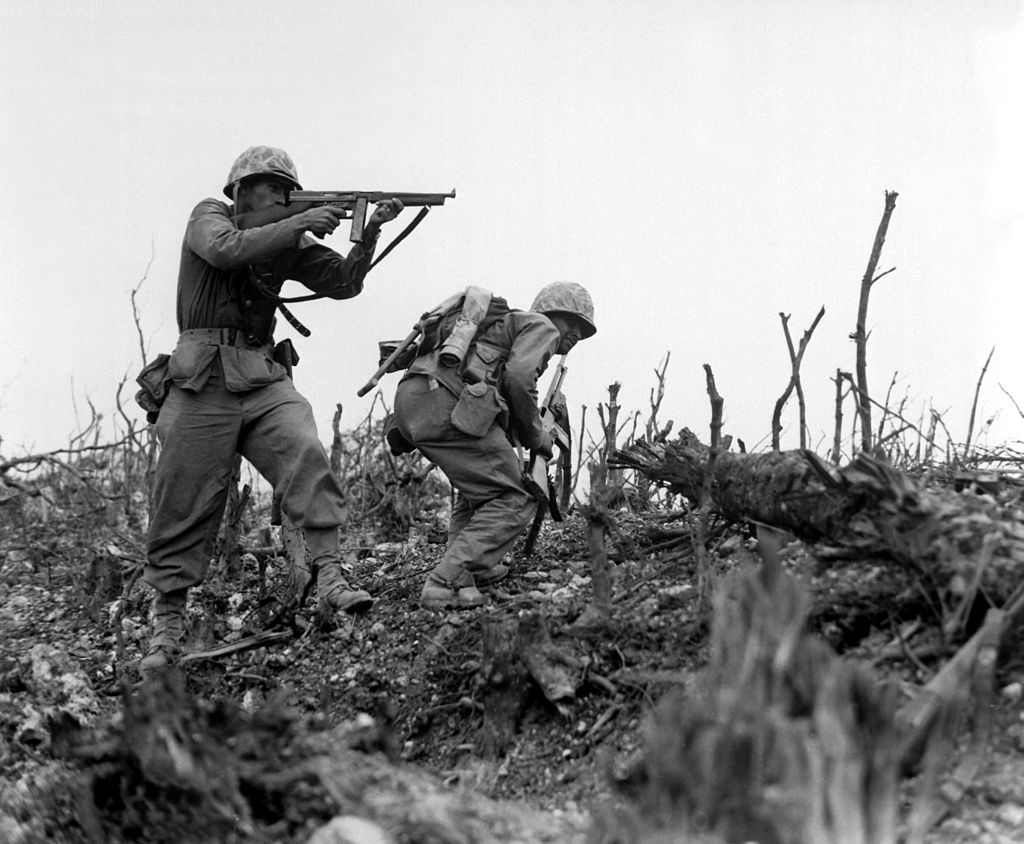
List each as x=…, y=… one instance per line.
x=349, y=197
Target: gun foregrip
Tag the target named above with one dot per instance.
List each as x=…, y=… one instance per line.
x=358, y=220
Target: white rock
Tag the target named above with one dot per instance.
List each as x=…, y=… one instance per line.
x=59, y=684
x=1012, y=814
x=349, y=829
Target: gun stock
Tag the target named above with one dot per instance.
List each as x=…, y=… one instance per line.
x=390, y=359
x=402, y=347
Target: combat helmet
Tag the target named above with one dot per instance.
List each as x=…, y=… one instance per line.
x=262, y=161
x=567, y=297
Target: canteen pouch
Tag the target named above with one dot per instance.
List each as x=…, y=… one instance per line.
x=478, y=407
x=154, y=380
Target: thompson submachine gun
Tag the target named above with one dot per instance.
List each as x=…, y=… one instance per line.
x=352, y=204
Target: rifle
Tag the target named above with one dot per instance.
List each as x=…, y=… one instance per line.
x=535, y=477
x=397, y=350
x=351, y=203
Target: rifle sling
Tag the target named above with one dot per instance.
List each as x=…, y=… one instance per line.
x=405, y=233
x=292, y=319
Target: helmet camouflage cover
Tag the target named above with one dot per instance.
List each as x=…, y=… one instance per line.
x=567, y=297
x=262, y=161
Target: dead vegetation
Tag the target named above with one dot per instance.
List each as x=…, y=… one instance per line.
x=714, y=646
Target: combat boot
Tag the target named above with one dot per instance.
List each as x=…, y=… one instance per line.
x=441, y=594
x=168, y=631
x=335, y=594
x=492, y=577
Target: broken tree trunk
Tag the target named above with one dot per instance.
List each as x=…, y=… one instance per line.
x=778, y=740
x=515, y=649
x=860, y=335
x=866, y=508
x=504, y=687
x=599, y=519
x=230, y=554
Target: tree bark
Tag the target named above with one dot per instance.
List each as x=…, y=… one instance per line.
x=504, y=684
x=866, y=508
x=230, y=556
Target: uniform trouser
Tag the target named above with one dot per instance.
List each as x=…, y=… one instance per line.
x=492, y=507
x=199, y=434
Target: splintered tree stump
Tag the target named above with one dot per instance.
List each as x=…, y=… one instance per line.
x=595, y=617
x=780, y=741
x=229, y=556
x=516, y=651
x=598, y=518
x=504, y=684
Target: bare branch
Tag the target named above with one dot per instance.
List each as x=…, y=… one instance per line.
x=860, y=333
x=974, y=405
x=795, y=359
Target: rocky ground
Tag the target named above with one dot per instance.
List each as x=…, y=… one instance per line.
x=376, y=721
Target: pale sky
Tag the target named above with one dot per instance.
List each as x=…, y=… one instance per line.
x=699, y=166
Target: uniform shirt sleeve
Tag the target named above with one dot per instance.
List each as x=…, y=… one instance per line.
x=212, y=235
x=323, y=270
x=535, y=341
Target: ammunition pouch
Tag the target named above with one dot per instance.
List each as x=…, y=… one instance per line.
x=483, y=363
x=285, y=354
x=479, y=406
x=154, y=380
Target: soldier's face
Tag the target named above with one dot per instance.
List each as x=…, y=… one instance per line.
x=569, y=330
x=258, y=194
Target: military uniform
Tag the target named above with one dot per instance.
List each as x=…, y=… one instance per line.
x=228, y=394
x=476, y=448
x=224, y=393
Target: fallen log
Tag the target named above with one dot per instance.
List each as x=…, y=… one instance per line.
x=866, y=508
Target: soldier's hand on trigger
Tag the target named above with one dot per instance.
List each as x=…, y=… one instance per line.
x=320, y=221
x=385, y=211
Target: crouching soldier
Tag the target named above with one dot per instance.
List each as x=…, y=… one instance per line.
x=468, y=415
x=227, y=392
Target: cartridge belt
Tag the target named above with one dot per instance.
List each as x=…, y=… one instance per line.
x=225, y=337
